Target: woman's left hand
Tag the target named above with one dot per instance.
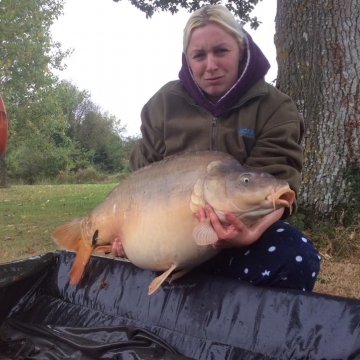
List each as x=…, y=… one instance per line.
x=236, y=234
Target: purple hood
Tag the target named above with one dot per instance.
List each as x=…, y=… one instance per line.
x=256, y=67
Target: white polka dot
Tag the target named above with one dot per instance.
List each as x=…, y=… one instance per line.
x=313, y=274
x=304, y=290
x=319, y=257
x=298, y=259
x=280, y=230
x=284, y=278
x=304, y=239
x=272, y=248
x=247, y=253
x=246, y=270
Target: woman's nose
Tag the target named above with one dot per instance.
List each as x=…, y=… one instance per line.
x=211, y=63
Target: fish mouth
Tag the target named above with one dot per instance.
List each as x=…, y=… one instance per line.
x=282, y=198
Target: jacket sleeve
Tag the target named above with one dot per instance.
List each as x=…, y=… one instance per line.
x=278, y=149
x=151, y=146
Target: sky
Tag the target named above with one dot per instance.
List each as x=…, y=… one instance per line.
x=122, y=58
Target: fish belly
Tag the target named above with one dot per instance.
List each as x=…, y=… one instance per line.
x=159, y=234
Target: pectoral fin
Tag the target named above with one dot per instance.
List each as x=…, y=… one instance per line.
x=204, y=234
x=160, y=279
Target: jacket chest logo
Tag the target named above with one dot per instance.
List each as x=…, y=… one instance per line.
x=250, y=133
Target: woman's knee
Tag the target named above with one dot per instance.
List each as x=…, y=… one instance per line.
x=283, y=257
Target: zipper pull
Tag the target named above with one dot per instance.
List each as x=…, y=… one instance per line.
x=214, y=122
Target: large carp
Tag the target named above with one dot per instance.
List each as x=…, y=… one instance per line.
x=153, y=212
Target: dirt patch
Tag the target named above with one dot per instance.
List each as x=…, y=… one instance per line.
x=339, y=278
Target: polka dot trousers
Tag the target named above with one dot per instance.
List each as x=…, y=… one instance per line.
x=282, y=257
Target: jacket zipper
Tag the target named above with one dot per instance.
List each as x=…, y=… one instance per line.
x=214, y=123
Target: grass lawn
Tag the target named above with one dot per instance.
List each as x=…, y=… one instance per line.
x=29, y=214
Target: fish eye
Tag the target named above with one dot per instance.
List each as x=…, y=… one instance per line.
x=245, y=178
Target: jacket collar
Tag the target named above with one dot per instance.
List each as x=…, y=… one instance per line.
x=256, y=67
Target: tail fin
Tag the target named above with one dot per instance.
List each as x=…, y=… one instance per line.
x=70, y=237
x=82, y=257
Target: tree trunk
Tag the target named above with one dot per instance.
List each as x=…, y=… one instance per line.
x=318, y=54
x=3, y=171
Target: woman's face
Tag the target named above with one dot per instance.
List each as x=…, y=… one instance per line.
x=213, y=56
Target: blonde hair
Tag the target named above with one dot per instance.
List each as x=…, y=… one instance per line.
x=215, y=14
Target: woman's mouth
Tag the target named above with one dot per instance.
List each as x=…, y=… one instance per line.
x=213, y=80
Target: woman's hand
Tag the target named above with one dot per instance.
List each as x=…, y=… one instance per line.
x=236, y=234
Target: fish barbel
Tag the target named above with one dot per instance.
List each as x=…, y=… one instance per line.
x=153, y=213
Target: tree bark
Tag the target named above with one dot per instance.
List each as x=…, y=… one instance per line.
x=3, y=171
x=318, y=54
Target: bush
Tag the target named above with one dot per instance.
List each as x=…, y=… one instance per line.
x=33, y=166
x=89, y=175
x=65, y=177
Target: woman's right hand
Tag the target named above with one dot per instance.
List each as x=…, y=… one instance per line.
x=236, y=234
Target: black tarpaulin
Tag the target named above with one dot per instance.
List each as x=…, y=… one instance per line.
x=109, y=315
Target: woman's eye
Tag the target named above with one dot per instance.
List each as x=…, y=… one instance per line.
x=221, y=51
x=198, y=56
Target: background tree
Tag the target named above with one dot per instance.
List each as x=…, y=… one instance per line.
x=101, y=133
x=318, y=53
x=40, y=147
x=240, y=8
x=79, y=135
x=53, y=126
x=95, y=133
x=27, y=56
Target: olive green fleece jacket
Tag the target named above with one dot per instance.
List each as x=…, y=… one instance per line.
x=262, y=131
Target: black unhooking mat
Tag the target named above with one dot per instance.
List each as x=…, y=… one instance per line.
x=109, y=315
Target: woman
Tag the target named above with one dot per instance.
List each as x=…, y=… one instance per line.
x=222, y=102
